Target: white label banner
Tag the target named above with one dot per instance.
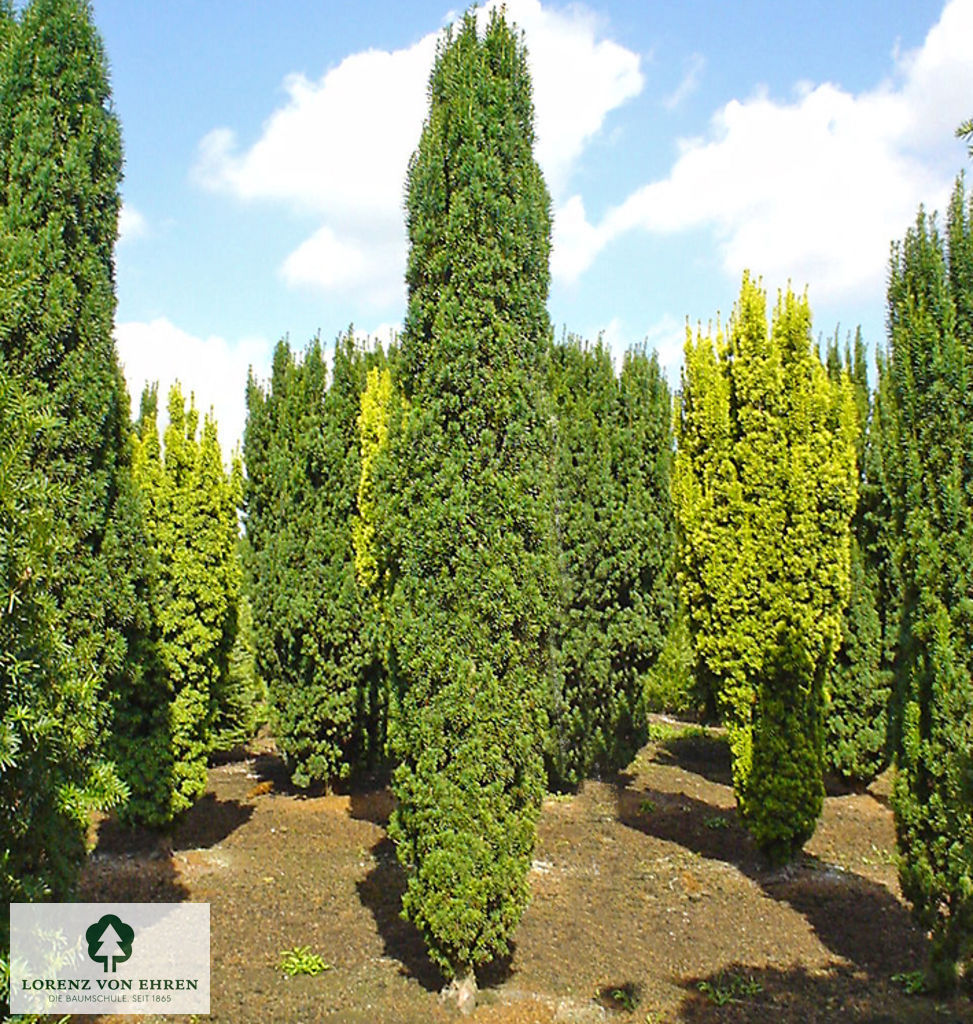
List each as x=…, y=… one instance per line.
x=109, y=958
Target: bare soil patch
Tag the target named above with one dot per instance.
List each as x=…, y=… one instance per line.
x=650, y=904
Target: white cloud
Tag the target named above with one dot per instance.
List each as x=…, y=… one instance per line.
x=667, y=337
x=815, y=189
x=212, y=368
x=338, y=148
x=131, y=224
x=578, y=80
x=384, y=334
x=689, y=84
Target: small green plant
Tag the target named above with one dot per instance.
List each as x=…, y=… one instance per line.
x=300, y=960
x=647, y=807
x=914, y=982
x=621, y=997
x=716, y=821
x=730, y=988
x=625, y=998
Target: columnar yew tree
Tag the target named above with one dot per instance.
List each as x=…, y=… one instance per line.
x=928, y=459
x=764, y=489
x=859, y=690
x=60, y=166
x=313, y=647
x=191, y=504
x=615, y=533
x=49, y=776
x=466, y=521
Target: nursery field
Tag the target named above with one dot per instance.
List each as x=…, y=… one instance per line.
x=649, y=904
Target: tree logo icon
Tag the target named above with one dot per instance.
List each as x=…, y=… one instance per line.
x=110, y=941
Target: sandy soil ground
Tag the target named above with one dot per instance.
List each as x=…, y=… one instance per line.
x=650, y=904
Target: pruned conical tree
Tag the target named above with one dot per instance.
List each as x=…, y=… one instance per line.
x=60, y=167
x=764, y=490
x=465, y=514
x=616, y=542
x=314, y=646
x=191, y=517
x=929, y=393
x=859, y=689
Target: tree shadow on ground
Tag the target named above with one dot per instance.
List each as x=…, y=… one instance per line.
x=208, y=822
x=740, y=994
x=271, y=770
x=697, y=750
x=381, y=891
x=854, y=917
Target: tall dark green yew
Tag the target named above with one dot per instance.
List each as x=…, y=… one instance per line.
x=929, y=389
x=60, y=166
x=465, y=517
x=616, y=542
x=312, y=638
x=50, y=774
x=859, y=684
x=764, y=489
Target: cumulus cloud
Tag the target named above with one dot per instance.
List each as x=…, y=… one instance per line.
x=131, y=224
x=213, y=369
x=813, y=189
x=338, y=148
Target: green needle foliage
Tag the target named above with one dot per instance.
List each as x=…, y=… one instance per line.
x=60, y=167
x=764, y=489
x=616, y=541
x=313, y=641
x=465, y=505
x=50, y=776
x=191, y=504
x=929, y=371
x=859, y=685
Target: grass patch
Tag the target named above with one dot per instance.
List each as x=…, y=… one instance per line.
x=730, y=988
x=300, y=960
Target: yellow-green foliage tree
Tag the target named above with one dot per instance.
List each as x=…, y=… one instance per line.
x=191, y=504
x=764, y=486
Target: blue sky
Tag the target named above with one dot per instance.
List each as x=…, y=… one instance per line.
x=266, y=147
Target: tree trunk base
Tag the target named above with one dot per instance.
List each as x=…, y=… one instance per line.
x=461, y=993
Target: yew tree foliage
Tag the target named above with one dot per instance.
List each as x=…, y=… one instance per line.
x=616, y=543
x=50, y=777
x=465, y=505
x=190, y=506
x=314, y=646
x=87, y=605
x=764, y=490
x=929, y=389
x=859, y=684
